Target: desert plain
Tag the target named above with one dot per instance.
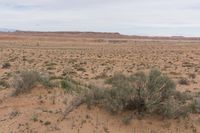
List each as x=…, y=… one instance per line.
x=90, y=58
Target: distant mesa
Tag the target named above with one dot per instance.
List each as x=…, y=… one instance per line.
x=90, y=34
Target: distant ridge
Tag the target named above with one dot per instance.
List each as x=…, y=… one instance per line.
x=7, y=30
x=78, y=34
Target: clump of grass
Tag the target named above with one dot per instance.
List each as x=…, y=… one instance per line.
x=34, y=117
x=67, y=85
x=45, y=80
x=152, y=93
x=70, y=85
x=25, y=80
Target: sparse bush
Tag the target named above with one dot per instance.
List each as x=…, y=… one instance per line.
x=182, y=96
x=196, y=105
x=67, y=85
x=94, y=96
x=6, y=65
x=154, y=93
x=70, y=85
x=24, y=81
x=46, y=81
x=34, y=117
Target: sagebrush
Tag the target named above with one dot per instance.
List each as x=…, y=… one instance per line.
x=25, y=80
x=153, y=93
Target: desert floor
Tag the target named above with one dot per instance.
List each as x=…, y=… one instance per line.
x=89, y=59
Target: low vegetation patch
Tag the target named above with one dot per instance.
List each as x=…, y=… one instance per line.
x=137, y=92
x=141, y=93
x=24, y=81
x=72, y=86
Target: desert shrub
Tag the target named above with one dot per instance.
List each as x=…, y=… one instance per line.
x=6, y=65
x=154, y=93
x=183, y=96
x=46, y=81
x=70, y=85
x=25, y=80
x=144, y=92
x=94, y=96
x=67, y=85
x=196, y=105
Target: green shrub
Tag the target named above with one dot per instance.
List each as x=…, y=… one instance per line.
x=67, y=85
x=70, y=85
x=46, y=81
x=154, y=93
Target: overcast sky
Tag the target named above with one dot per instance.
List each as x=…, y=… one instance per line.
x=138, y=17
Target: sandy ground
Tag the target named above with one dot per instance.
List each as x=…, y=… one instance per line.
x=90, y=59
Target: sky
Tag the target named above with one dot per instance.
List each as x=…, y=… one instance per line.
x=132, y=17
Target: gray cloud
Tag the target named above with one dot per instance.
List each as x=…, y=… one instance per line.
x=167, y=17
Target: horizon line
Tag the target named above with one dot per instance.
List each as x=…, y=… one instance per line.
x=10, y=30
